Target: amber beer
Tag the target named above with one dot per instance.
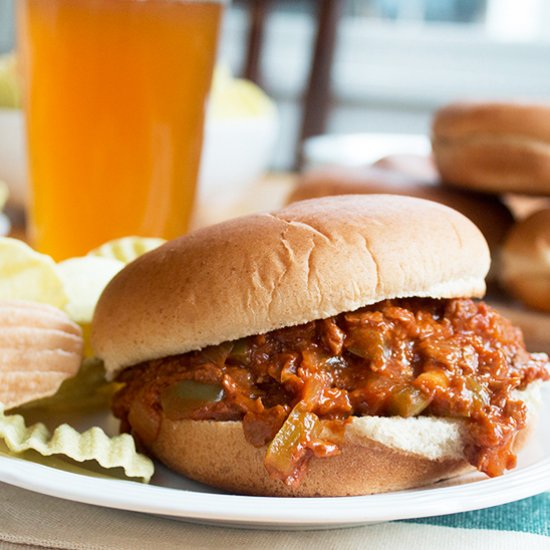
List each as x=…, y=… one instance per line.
x=115, y=96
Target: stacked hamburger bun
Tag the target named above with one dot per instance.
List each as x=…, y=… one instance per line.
x=494, y=147
x=525, y=270
x=503, y=148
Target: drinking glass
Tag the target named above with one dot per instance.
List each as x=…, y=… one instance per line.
x=114, y=94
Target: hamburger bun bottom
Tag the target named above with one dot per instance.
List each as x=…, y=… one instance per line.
x=379, y=454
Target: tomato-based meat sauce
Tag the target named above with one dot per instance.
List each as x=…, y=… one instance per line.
x=295, y=388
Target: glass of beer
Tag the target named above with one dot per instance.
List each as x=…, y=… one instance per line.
x=114, y=94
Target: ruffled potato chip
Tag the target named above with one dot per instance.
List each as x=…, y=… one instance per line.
x=127, y=249
x=84, y=279
x=93, y=444
x=39, y=348
x=28, y=275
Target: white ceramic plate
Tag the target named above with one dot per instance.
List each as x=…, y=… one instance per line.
x=175, y=496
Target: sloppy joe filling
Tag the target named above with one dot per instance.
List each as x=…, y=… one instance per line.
x=295, y=388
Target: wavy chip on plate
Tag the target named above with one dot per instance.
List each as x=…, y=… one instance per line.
x=40, y=347
x=84, y=279
x=94, y=444
x=28, y=275
x=127, y=249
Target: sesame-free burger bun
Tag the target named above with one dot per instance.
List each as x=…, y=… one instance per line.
x=525, y=269
x=308, y=261
x=494, y=147
x=379, y=454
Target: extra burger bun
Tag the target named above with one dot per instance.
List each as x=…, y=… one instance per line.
x=308, y=261
x=379, y=454
x=526, y=260
x=40, y=347
x=488, y=213
x=494, y=147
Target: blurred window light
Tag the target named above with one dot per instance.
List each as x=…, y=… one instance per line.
x=398, y=60
x=460, y=11
x=513, y=20
x=501, y=20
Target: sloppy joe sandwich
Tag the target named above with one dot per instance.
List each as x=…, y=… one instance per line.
x=494, y=147
x=334, y=347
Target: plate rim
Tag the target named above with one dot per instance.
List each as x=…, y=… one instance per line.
x=283, y=512
x=275, y=511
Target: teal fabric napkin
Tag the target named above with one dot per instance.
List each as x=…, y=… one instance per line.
x=531, y=515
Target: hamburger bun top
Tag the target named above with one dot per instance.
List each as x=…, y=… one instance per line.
x=308, y=261
x=467, y=119
x=494, y=147
x=525, y=269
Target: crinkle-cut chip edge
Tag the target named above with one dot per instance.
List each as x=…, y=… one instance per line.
x=94, y=444
x=35, y=318
x=32, y=306
x=19, y=337
x=127, y=249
